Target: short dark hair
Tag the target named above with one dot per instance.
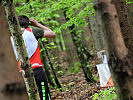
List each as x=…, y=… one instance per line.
x=23, y=21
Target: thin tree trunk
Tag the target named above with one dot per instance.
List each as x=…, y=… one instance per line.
x=79, y=48
x=119, y=58
x=86, y=38
x=44, y=61
x=12, y=86
x=52, y=68
x=27, y=72
x=57, y=40
x=71, y=56
x=84, y=65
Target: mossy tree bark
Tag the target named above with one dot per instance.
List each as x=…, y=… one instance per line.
x=80, y=52
x=12, y=86
x=52, y=69
x=120, y=61
x=27, y=72
x=45, y=63
x=72, y=56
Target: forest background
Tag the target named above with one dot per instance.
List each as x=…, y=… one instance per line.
x=73, y=49
x=70, y=59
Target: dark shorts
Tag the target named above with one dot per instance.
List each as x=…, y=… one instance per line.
x=42, y=84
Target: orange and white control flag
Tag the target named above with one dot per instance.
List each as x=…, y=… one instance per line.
x=103, y=70
x=104, y=75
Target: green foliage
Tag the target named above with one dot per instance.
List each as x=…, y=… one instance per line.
x=87, y=38
x=71, y=83
x=48, y=12
x=75, y=69
x=51, y=45
x=129, y=2
x=108, y=94
x=60, y=72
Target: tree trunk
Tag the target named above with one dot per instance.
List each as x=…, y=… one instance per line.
x=84, y=64
x=80, y=52
x=12, y=86
x=44, y=61
x=52, y=69
x=125, y=26
x=97, y=30
x=72, y=56
x=130, y=13
x=86, y=38
x=119, y=58
x=27, y=72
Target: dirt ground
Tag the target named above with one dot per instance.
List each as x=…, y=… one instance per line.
x=75, y=86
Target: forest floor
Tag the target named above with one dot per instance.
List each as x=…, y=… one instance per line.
x=74, y=86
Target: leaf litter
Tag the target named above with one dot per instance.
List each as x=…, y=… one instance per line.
x=74, y=86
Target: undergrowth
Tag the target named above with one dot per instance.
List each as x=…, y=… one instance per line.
x=108, y=94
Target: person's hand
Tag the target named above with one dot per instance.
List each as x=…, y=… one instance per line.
x=33, y=22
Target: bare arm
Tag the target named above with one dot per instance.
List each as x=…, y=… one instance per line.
x=48, y=33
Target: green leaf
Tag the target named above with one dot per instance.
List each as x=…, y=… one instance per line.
x=44, y=39
x=87, y=38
